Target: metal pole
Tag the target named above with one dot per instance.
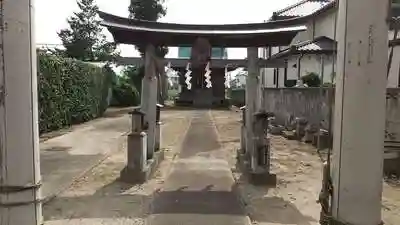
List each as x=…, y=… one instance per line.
x=19, y=139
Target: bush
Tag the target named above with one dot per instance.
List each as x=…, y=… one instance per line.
x=312, y=80
x=126, y=91
x=70, y=91
x=125, y=94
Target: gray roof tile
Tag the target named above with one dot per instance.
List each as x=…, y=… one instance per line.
x=303, y=8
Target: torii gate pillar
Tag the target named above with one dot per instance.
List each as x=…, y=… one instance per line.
x=359, y=117
x=20, y=181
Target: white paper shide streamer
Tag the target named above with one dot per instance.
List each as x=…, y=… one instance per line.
x=188, y=77
x=208, y=76
x=169, y=74
x=227, y=79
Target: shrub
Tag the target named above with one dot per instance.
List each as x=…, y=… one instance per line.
x=70, y=91
x=126, y=91
x=312, y=80
x=125, y=94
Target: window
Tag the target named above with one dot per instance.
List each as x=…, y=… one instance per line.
x=216, y=53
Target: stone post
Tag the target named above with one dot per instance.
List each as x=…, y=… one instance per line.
x=137, y=149
x=262, y=152
x=158, y=127
x=359, y=113
x=149, y=99
x=20, y=180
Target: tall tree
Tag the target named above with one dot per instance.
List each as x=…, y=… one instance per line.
x=84, y=39
x=150, y=10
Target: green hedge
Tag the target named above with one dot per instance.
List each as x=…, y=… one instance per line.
x=125, y=94
x=70, y=91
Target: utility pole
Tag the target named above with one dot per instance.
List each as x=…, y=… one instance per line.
x=359, y=116
x=19, y=143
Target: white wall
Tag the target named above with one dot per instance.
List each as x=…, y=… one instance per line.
x=267, y=74
x=393, y=79
x=324, y=25
x=304, y=35
x=309, y=64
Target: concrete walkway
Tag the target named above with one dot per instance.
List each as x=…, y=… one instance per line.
x=67, y=157
x=200, y=189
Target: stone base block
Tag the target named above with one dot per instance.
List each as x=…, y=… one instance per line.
x=391, y=167
x=324, y=140
x=262, y=178
x=140, y=176
x=256, y=178
x=276, y=130
x=290, y=135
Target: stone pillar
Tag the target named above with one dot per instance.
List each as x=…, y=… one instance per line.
x=251, y=104
x=261, y=142
x=359, y=117
x=158, y=127
x=20, y=179
x=137, y=149
x=149, y=99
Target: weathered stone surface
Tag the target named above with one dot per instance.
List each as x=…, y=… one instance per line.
x=200, y=189
x=276, y=129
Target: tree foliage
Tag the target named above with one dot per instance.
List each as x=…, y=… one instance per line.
x=150, y=10
x=84, y=40
x=126, y=92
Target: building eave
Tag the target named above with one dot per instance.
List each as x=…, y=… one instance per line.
x=297, y=48
x=131, y=31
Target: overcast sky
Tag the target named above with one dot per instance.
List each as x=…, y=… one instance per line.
x=51, y=16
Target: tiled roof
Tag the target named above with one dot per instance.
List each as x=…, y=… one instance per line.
x=309, y=7
x=320, y=44
x=303, y=8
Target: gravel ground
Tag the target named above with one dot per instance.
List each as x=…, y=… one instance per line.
x=298, y=170
x=99, y=198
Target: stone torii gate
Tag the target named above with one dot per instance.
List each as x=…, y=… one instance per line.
x=251, y=36
x=359, y=115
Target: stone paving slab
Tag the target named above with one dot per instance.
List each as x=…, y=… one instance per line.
x=200, y=189
x=65, y=158
x=99, y=197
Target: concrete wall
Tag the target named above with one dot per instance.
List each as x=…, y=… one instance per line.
x=288, y=103
x=309, y=103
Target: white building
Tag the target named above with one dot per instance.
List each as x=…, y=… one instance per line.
x=310, y=47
